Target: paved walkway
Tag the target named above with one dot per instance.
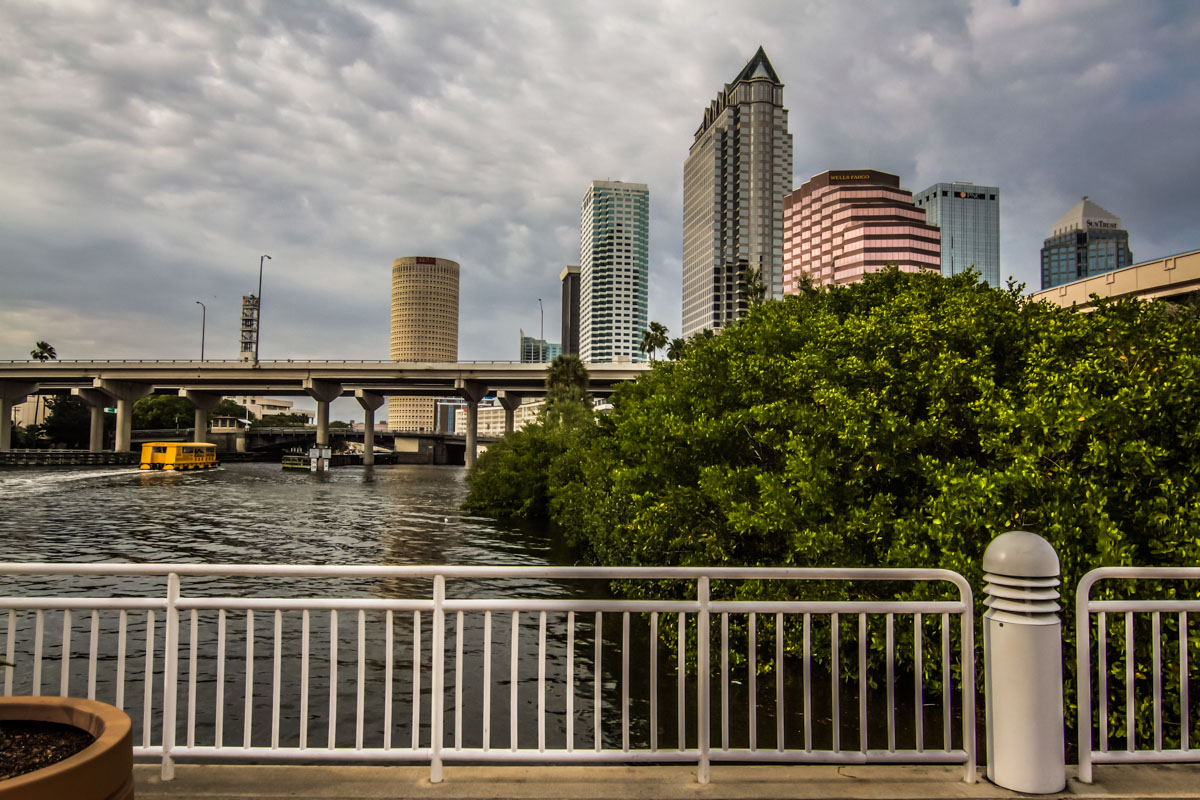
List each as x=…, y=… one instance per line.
x=227, y=782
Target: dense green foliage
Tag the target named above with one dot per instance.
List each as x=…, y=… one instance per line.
x=161, y=411
x=904, y=421
x=69, y=422
x=229, y=408
x=292, y=420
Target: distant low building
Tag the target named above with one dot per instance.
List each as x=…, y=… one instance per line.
x=491, y=417
x=264, y=406
x=1172, y=278
x=538, y=351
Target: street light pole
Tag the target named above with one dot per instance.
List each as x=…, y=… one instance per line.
x=258, y=327
x=542, y=333
x=203, y=322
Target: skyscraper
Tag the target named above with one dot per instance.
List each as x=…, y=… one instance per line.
x=843, y=224
x=614, y=270
x=969, y=218
x=424, y=328
x=570, y=310
x=734, y=180
x=1087, y=241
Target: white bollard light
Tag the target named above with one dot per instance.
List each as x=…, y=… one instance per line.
x=1022, y=656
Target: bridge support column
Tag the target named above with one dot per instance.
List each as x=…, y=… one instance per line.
x=323, y=392
x=369, y=401
x=472, y=392
x=125, y=393
x=322, y=423
x=11, y=393
x=509, y=401
x=96, y=402
x=204, y=403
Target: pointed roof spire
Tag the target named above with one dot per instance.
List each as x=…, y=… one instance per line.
x=758, y=67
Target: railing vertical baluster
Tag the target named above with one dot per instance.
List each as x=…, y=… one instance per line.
x=681, y=682
x=64, y=674
x=653, y=681
x=890, y=645
x=541, y=682
x=966, y=633
x=93, y=653
x=219, y=733
x=304, y=634
x=333, y=679
x=148, y=681
x=248, y=718
x=862, y=682
x=1102, y=675
x=513, y=678
x=416, y=680
x=703, y=676
x=947, y=737
x=807, y=682
x=779, y=736
x=1185, y=724
x=389, y=641
x=437, y=708
x=1130, y=727
x=725, y=680
x=835, y=682
x=487, y=680
x=360, y=707
x=458, y=679
x=276, y=679
x=1156, y=632
x=919, y=680
x=625, y=682
x=193, y=634
x=170, y=676
x=752, y=679
x=597, y=682
x=570, y=681
x=38, y=624
x=10, y=650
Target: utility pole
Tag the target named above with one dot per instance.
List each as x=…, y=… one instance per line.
x=203, y=322
x=258, y=327
x=541, y=333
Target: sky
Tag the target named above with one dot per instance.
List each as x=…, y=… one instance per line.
x=151, y=153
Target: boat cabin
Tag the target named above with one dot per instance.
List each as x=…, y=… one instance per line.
x=179, y=455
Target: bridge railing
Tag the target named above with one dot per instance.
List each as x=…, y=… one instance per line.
x=502, y=664
x=1109, y=631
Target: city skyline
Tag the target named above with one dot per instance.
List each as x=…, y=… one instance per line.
x=153, y=156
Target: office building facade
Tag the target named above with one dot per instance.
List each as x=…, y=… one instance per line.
x=737, y=172
x=844, y=224
x=1087, y=241
x=969, y=219
x=570, y=310
x=538, y=351
x=424, y=328
x=614, y=271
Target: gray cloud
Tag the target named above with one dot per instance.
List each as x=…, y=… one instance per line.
x=151, y=154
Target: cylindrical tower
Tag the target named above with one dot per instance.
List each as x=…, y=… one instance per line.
x=424, y=328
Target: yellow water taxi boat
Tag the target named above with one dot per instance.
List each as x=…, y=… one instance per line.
x=179, y=455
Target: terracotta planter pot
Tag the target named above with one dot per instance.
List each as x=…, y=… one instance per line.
x=101, y=771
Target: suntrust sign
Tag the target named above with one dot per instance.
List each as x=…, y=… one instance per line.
x=1099, y=223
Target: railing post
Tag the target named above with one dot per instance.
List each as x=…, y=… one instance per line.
x=703, y=710
x=439, y=679
x=1022, y=660
x=1083, y=677
x=170, y=677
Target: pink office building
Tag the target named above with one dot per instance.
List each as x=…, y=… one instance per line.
x=842, y=225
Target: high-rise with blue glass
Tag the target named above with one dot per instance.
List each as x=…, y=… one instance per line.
x=969, y=217
x=1087, y=241
x=614, y=271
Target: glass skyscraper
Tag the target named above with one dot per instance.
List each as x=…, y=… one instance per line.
x=614, y=271
x=969, y=217
x=1087, y=241
x=734, y=179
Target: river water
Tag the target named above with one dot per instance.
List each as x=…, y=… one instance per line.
x=401, y=515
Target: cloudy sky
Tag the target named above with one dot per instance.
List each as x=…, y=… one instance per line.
x=150, y=154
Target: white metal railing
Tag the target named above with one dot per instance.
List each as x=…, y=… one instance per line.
x=216, y=664
x=1133, y=611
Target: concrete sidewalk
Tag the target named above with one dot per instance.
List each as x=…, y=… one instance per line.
x=233, y=782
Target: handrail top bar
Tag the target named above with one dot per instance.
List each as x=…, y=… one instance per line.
x=493, y=572
x=1151, y=573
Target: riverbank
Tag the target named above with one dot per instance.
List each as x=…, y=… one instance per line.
x=226, y=782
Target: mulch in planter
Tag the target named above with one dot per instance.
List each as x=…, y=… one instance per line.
x=26, y=746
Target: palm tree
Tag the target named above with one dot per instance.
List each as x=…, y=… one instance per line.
x=676, y=348
x=654, y=339
x=42, y=351
x=565, y=372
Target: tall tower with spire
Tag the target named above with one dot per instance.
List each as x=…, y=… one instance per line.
x=734, y=180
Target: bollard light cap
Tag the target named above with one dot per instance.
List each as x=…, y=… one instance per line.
x=1021, y=554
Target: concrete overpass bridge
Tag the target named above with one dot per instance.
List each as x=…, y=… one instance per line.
x=119, y=383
